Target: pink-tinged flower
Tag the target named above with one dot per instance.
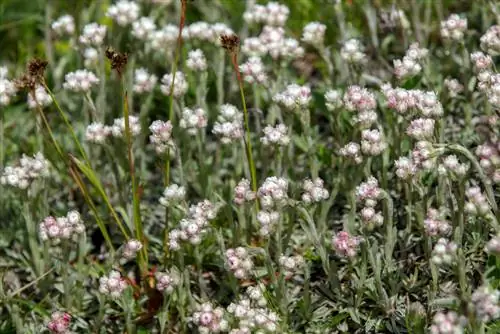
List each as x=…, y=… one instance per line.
x=346, y=245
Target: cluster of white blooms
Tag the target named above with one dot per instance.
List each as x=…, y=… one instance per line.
x=372, y=142
x=365, y=119
x=161, y=136
x=143, y=28
x=371, y=217
x=428, y=104
x=405, y=168
x=252, y=314
x=444, y=252
x=203, y=31
x=454, y=28
x=64, y=25
x=359, y=99
x=243, y=193
x=346, y=245
x=435, y=224
x=131, y=248
x=333, y=99
x=113, y=284
x=118, y=127
x=421, y=128
x=489, y=159
x=93, y=34
x=91, y=57
x=272, y=195
x=59, y=323
x=486, y=303
x=210, y=319
x=40, y=99
x=239, y=262
x=196, y=61
x=448, y=323
x=166, y=281
x=123, y=12
x=163, y=39
x=399, y=99
x=194, y=226
x=410, y=65
x=272, y=41
x=294, y=97
x=493, y=246
x=481, y=61
x=353, y=51
x=7, y=90
x=254, y=47
x=352, y=151
x=273, y=14
x=314, y=191
x=80, y=81
x=490, y=41
x=180, y=84
x=143, y=81
x=452, y=165
x=253, y=71
x=477, y=203
x=291, y=264
x=453, y=86
x=277, y=135
x=28, y=170
x=423, y=155
x=172, y=194
x=267, y=221
x=61, y=227
x=229, y=124
x=193, y=120
x=97, y=133
x=314, y=34
x=369, y=192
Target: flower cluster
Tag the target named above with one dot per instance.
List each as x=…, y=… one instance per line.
x=277, y=135
x=454, y=28
x=477, y=203
x=369, y=193
x=210, y=319
x=372, y=142
x=61, y=227
x=291, y=264
x=243, y=193
x=143, y=81
x=353, y=51
x=239, y=262
x=80, y=81
x=490, y=41
x=7, y=91
x=489, y=159
x=410, y=65
x=193, y=120
x=194, y=226
x=448, y=323
x=359, y=99
x=352, y=151
x=435, y=225
x=444, y=252
x=294, y=97
x=131, y=248
x=172, y=194
x=143, y=28
x=166, y=282
x=253, y=71
x=229, y=124
x=314, y=34
x=123, y=12
x=97, y=133
x=118, y=127
x=163, y=39
x=486, y=303
x=346, y=245
x=405, y=168
x=112, y=285
x=453, y=86
x=64, y=25
x=28, y=170
x=272, y=41
x=421, y=128
x=314, y=191
x=59, y=323
x=333, y=99
x=161, y=136
x=423, y=155
x=493, y=246
x=273, y=14
x=39, y=98
x=452, y=165
x=196, y=61
x=180, y=84
x=93, y=34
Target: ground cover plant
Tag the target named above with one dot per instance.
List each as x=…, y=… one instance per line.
x=216, y=166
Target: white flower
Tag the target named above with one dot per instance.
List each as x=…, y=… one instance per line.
x=172, y=194
x=112, y=285
x=64, y=25
x=180, y=84
x=352, y=51
x=42, y=98
x=143, y=28
x=229, y=124
x=277, y=135
x=314, y=33
x=123, y=12
x=80, y=81
x=143, y=81
x=93, y=34
x=196, y=60
x=161, y=136
x=193, y=120
x=118, y=127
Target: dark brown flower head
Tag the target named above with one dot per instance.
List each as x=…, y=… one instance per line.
x=118, y=60
x=230, y=43
x=36, y=67
x=26, y=81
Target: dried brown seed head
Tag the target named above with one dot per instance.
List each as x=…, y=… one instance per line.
x=36, y=68
x=230, y=43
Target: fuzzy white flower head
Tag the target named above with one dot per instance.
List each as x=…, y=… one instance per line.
x=172, y=194
x=294, y=97
x=239, y=262
x=277, y=135
x=196, y=61
x=405, y=168
x=428, y=104
x=333, y=99
x=199, y=30
x=453, y=86
x=372, y=142
x=64, y=25
x=97, y=133
x=112, y=285
x=123, y=12
x=444, y=252
x=254, y=47
x=91, y=57
x=486, y=303
x=42, y=98
x=229, y=124
x=267, y=221
x=359, y=99
x=93, y=34
x=454, y=28
x=314, y=191
x=118, y=127
x=180, y=84
x=352, y=150
x=481, y=61
x=143, y=81
x=353, y=51
x=273, y=192
x=164, y=39
x=421, y=128
x=448, y=323
x=7, y=91
x=143, y=28
x=220, y=29
x=193, y=120
x=161, y=136
x=210, y=319
x=80, y=81
x=273, y=14
x=490, y=41
x=166, y=281
x=253, y=71
x=314, y=33
x=243, y=192
x=131, y=248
